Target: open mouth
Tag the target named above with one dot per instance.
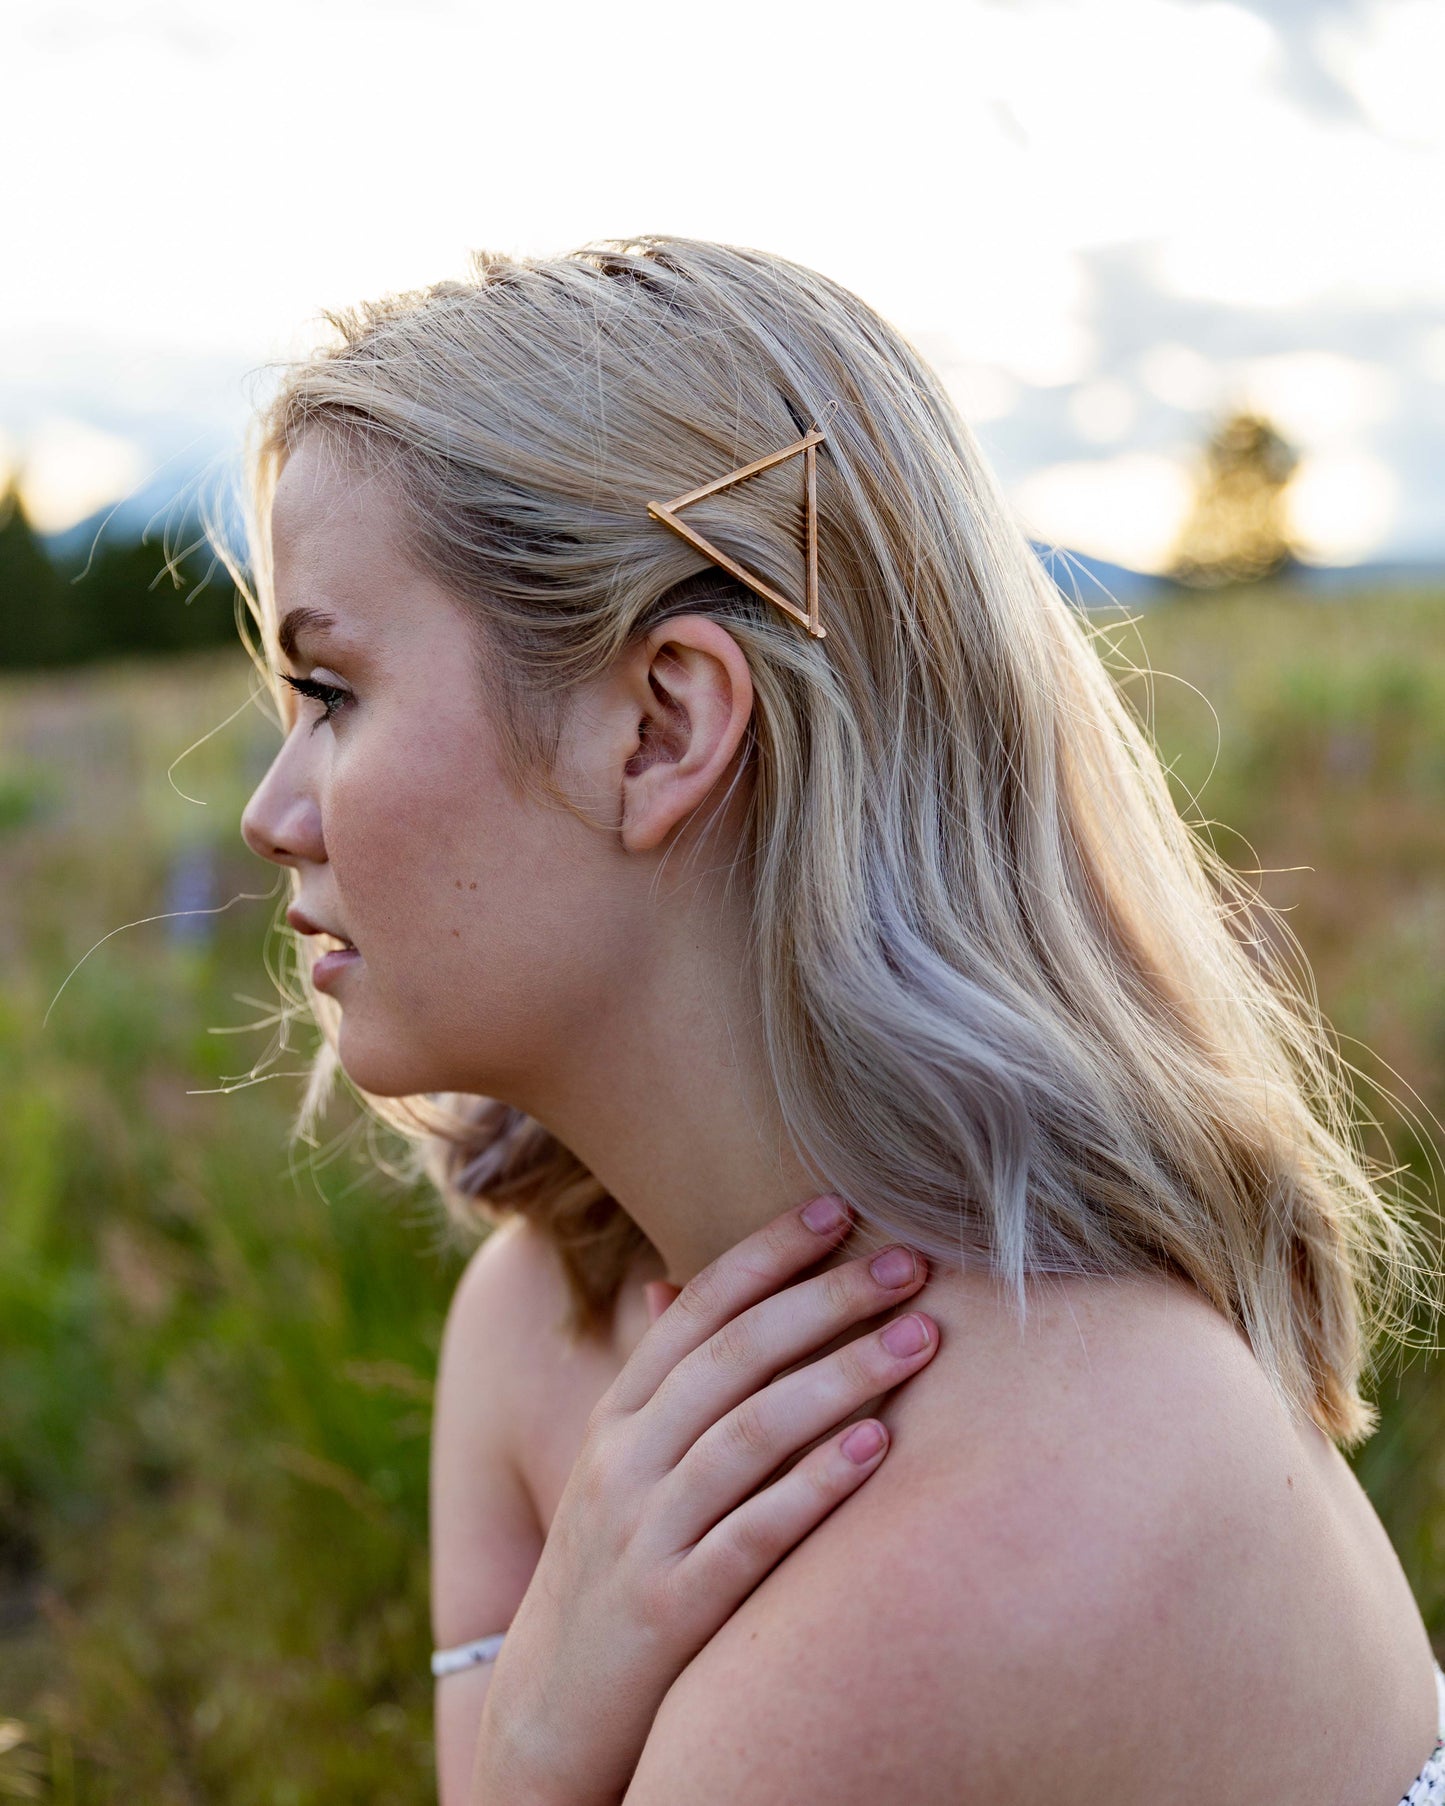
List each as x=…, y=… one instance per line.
x=339, y=957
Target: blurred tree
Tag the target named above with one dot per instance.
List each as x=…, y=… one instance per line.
x=33, y=628
x=113, y=597
x=131, y=596
x=1235, y=532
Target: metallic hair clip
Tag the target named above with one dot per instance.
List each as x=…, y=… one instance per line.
x=667, y=513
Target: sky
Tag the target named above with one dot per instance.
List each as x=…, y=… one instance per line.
x=1103, y=220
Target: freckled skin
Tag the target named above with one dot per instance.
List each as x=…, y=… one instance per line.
x=379, y=806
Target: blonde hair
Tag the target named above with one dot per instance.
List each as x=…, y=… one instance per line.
x=1014, y=1007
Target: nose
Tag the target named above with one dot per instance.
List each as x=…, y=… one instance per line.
x=282, y=822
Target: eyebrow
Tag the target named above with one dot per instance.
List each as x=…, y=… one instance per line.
x=307, y=621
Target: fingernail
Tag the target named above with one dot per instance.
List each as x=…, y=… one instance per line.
x=862, y=1444
x=824, y=1214
x=906, y=1336
x=894, y=1267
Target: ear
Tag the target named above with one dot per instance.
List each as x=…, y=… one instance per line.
x=691, y=696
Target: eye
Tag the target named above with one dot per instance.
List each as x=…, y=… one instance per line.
x=328, y=695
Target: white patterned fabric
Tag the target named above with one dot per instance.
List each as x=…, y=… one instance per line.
x=1428, y=1787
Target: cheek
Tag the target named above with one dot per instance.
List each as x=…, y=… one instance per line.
x=434, y=857
x=499, y=934
x=398, y=851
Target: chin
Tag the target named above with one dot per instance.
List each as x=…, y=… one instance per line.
x=383, y=1071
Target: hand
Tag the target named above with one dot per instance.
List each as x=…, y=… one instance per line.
x=666, y=1523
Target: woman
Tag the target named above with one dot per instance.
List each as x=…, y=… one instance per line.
x=709, y=841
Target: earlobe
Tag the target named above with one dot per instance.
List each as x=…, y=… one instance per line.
x=696, y=695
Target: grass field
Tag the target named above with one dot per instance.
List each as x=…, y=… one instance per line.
x=216, y=1352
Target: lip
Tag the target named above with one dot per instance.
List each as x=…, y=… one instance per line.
x=331, y=965
x=303, y=924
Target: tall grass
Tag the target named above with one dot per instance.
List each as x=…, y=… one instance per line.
x=216, y=1359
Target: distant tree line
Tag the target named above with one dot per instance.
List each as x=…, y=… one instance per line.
x=115, y=595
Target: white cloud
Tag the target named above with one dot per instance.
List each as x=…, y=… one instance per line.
x=1392, y=59
x=1430, y=357
x=1292, y=211
x=1339, y=505
x=1103, y=411
x=1180, y=376
x=1128, y=508
x=1318, y=397
x=950, y=167
x=983, y=392
x=68, y=469
x=956, y=167
x=1140, y=112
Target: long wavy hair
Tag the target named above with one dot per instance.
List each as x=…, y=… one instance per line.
x=1014, y=1006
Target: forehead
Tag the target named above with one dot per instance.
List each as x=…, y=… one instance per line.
x=337, y=550
x=323, y=498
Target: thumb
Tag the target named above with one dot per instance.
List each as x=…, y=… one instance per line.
x=659, y=1294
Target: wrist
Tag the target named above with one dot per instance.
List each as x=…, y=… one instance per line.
x=507, y=1769
x=519, y=1762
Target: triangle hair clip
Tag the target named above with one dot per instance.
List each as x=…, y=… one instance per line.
x=667, y=513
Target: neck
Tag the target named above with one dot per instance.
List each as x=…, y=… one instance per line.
x=669, y=1104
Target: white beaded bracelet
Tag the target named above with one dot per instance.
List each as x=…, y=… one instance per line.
x=466, y=1655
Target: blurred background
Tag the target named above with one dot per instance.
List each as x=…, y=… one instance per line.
x=1176, y=262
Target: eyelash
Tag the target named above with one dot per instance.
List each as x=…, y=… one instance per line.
x=327, y=694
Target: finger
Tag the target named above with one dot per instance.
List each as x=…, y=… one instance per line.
x=755, y=1267
x=733, y=1458
x=739, y=1551
x=777, y=1333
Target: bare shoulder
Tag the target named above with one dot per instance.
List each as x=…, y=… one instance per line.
x=510, y=1354
x=512, y=1273
x=485, y=1537
x=1000, y=1609
x=506, y=1356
